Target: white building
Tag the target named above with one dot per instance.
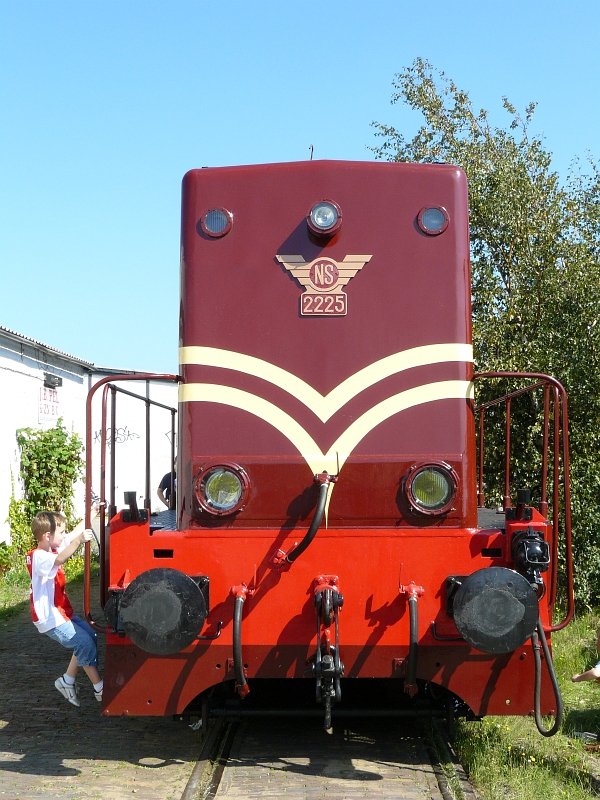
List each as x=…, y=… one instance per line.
x=40, y=385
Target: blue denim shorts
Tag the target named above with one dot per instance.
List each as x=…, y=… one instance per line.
x=77, y=635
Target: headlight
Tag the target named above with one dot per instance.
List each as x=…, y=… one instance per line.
x=431, y=488
x=433, y=220
x=324, y=218
x=222, y=488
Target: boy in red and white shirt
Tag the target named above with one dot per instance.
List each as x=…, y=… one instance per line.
x=51, y=610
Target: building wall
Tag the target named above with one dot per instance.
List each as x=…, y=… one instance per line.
x=27, y=403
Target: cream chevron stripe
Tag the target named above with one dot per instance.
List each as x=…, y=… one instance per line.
x=325, y=406
x=333, y=460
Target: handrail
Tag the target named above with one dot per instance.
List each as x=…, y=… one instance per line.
x=107, y=384
x=560, y=453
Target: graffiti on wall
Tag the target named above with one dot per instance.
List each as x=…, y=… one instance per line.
x=116, y=436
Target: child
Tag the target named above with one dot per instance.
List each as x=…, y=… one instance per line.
x=51, y=610
x=592, y=674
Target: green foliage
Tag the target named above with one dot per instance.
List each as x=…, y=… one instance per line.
x=535, y=275
x=5, y=557
x=21, y=536
x=50, y=465
x=51, y=462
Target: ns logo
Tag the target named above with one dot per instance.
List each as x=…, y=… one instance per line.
x=323, y=280
x=324, y=274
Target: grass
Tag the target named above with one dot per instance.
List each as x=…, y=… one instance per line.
x=508, y=759
x=505, y=757
x=14, y=591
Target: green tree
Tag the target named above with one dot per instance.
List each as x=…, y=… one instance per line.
x=535, y=270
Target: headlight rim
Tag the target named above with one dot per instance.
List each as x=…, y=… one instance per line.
x=452, y=478
x=203, y=475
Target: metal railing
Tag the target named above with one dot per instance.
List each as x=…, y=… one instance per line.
x=109, y=505
x=554, y=460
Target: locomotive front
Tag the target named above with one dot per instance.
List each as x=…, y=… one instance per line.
x=326, y=522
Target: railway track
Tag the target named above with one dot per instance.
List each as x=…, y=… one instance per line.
x=294, y=758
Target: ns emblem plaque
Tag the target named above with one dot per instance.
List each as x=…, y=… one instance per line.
x=323, y=280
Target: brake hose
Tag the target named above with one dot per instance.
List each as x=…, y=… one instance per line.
x=316, y=521
x=242, y=687
x=411, y=672
x=537, y=636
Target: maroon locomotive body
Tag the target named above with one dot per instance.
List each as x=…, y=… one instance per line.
x=328, y=468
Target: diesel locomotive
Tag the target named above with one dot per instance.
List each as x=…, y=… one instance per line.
x=330, y=539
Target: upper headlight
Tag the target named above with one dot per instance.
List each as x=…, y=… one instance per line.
x=431, y=488
x=324, y=218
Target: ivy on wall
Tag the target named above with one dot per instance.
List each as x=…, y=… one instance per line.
x=51, y=463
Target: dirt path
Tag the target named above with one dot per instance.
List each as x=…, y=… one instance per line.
x=51, y=749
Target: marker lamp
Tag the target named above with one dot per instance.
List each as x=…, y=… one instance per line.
x=216, y=222
x=433, y=220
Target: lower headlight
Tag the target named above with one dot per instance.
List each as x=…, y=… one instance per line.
x=431, y=488
x=222, y=488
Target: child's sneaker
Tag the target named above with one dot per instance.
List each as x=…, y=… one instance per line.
x=98, y=696
x=68, y=692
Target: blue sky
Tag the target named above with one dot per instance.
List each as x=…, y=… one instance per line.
x=105, y=105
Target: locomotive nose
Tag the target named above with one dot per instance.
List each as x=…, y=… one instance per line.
x=162, y=611
x=495, y=610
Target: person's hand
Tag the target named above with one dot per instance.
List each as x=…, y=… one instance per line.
x=87, y=535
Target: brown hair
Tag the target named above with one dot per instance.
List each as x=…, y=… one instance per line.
x=43, y=522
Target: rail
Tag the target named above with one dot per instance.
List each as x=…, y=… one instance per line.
x=108, y=385
x=554, y=458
